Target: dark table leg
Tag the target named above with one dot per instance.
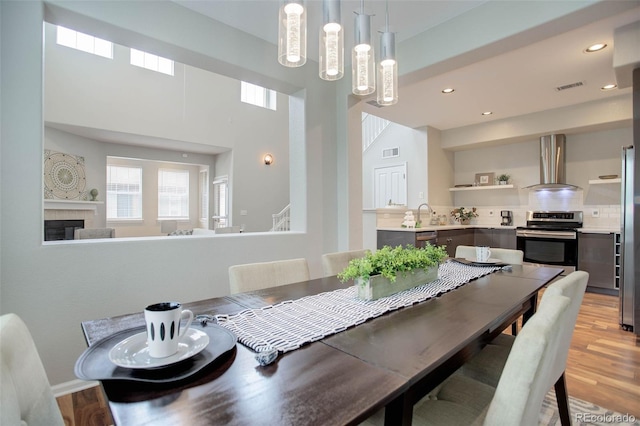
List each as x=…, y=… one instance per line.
x=532, y=310
x=399, y=412
x=563, y=401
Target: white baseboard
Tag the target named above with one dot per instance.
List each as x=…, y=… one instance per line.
x=71, y=387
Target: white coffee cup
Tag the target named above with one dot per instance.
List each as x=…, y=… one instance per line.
x=482, y=253
x=163, y=327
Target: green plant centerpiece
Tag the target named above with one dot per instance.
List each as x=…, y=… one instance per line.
x=390, y=270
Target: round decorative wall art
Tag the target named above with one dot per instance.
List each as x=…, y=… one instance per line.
x=64, y=176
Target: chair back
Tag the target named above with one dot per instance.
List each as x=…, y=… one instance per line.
x=527, y=374
x=572, y=286
x=510, y=256
x=25, y=394
x=256, y=276
x=334, y=263
x=93, y=233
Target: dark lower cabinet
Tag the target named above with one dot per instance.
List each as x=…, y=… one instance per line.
x=453, y=238
x=402, y=238
x=495, y=237
x=596, y=255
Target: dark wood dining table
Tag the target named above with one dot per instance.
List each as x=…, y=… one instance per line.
x=387, y=362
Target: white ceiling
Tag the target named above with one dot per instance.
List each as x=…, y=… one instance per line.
x=513, y=83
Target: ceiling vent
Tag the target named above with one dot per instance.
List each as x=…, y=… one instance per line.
x=569, y=86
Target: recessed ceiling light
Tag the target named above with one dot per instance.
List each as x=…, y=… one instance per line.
x=609, y=87
x=448, y=90
x=487, y=113
x=595, y=47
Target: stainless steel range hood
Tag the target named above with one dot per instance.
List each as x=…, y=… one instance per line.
x=552, y=165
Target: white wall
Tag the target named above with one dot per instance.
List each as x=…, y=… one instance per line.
x=95, y=154
x=194, y=107
x=55, y=287
x=588, y=155
x=412, y=148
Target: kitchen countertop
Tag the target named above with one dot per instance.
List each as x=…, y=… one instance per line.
x=443, y=227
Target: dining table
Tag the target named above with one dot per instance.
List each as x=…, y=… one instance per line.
x=388, y=362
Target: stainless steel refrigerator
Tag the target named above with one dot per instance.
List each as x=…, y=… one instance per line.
x=630, y=223
x=630, y=243
x=628, y=290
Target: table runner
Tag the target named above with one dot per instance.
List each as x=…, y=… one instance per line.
x=290, y=324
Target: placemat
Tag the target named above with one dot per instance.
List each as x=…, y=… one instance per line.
x=288, y=325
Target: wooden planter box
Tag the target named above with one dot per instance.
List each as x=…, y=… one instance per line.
x=378, y=286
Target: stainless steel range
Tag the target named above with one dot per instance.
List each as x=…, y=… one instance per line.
x=551, y=238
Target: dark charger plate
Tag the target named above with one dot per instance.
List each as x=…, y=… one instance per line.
x=94, y=363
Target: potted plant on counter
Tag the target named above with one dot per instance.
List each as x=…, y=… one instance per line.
x=463, y=215
x=390, y=270
x=503, y=179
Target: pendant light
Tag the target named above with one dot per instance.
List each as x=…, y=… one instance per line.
x=292, y=34
x=388, y=67
x=363, y=77
x=331, y=42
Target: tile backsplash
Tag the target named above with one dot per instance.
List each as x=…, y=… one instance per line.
x=604, y=216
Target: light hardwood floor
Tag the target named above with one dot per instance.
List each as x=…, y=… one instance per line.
x=603, y=367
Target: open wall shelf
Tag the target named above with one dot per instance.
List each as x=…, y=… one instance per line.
x=482, y=188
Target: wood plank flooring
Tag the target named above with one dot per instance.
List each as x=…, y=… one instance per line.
x=603, y=367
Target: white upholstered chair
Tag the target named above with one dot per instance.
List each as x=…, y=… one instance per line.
x=93, y=233
x=25, y=394
x=506, y=384
x=524, y=381
x=513, y=257
x=334, y=263
x=256, y=276
x=488, y=364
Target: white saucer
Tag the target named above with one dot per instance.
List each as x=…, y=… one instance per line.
x=488, y=261
x=133, y=351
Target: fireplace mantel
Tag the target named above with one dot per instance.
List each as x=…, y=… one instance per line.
x=72, y=205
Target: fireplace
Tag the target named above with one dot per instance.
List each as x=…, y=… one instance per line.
x=61, y=229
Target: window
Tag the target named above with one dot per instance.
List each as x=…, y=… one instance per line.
x=84, y=42
x=221, y=203
x=257, y=95
x=124, y=192
x=173, y=194
x=151, y=62
x=204, y=195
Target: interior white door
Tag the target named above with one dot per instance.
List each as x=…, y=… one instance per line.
x=390, y=185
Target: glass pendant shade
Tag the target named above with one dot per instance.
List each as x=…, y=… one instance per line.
x=363, y=74
x=292, y=34
x=387, y=71
x=331, y=42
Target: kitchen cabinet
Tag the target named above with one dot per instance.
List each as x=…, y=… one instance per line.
x=402, y=238
x=495, y=237
x=453, y=238
x=596, y=255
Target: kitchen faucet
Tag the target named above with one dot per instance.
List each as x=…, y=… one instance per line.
x=419, y=207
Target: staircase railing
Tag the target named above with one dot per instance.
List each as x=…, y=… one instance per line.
x=372, y=127
x=281, y=220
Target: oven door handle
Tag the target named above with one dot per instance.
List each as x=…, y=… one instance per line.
x=547, y=234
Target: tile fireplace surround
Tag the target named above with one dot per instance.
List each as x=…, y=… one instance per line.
x=85, y=215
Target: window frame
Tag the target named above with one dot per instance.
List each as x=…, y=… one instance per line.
x=163, y=196
x=140, y=193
